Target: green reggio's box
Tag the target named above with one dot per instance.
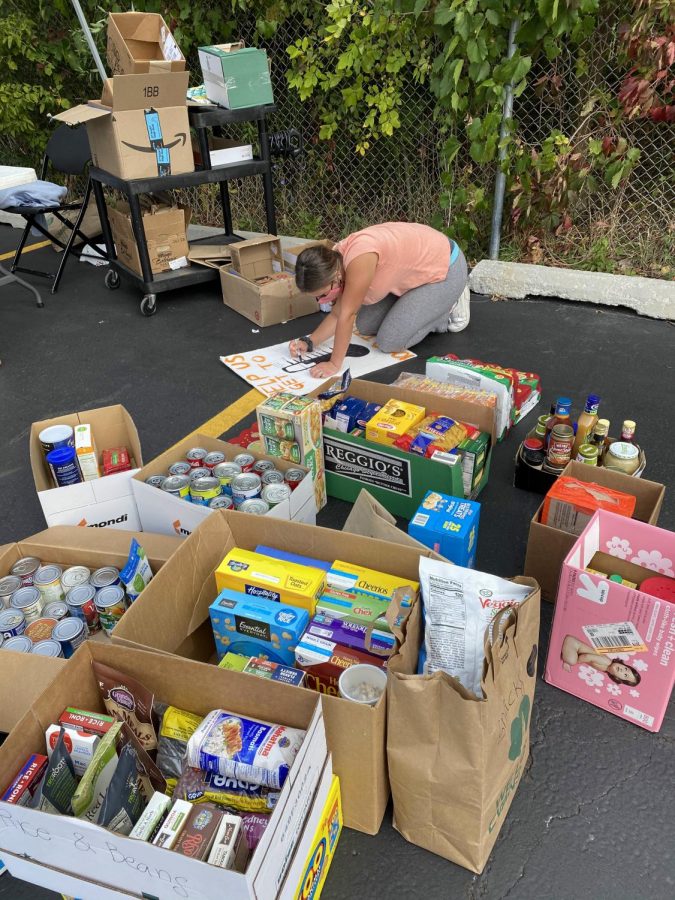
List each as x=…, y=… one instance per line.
x=397, y=479
x=236, y=76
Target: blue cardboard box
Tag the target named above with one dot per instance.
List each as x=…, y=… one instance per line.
x=448, y=525
x=256, y=627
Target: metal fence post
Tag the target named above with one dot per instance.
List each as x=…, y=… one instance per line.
x=500, y=179
x=89, y=39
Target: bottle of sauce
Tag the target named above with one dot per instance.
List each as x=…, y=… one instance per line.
x=586, y=422
x=628, y=431
x=598, y=437
x=561, y=416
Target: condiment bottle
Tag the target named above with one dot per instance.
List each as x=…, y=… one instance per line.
x=628, y=431
x=598, y=437
x=563, y=405
x=586, y=422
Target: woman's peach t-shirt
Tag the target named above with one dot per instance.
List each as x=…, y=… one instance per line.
x=409, y=255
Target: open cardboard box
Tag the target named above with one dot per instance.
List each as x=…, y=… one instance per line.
x=290, y=254
x=257, y=285
x=23, y=676
x=103, y=502
x=165, y=233
x=172, y=616
x=165, y=514
x=124, y=867
x=141, y=42
x=139, y=128
x=547, y=547
x=398, y=480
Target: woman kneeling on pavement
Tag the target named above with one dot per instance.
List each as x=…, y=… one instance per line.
x=398, y=281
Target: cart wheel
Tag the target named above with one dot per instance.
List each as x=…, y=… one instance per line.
x=112, y=280
x=149, y=304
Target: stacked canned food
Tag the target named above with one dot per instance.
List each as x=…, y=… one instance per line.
x=50, y=611
x=208, y=479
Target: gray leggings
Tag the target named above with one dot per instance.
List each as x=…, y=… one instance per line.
x=402, y=322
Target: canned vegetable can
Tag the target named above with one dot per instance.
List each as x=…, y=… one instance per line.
x=73, y=576
x=40, y=629
x=48, y=648
x=29, y=601
x=213, y=459
x=8, y=586
x=245, y=460
x=196, y=457
x=12, y=623
x=260, y=466
x=274, y=494
x=155, y=480
x=70, y=633
x=20, y=644
x=180, y=468
x=25, y=569
x=105, y=576
x=254, y=507
x=222, y=502
x=81, y=603
x=204, y=489
x=111, y=603
x=177, y=486
x=293, y=477
x=225, y=472
x=273, y=476
x=47, y=580
x=57, y=610
x=246, y=486
x=199, y=472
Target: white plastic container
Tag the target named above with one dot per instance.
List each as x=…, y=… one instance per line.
x=363, y=675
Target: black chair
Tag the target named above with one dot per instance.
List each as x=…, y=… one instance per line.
x=68, y=152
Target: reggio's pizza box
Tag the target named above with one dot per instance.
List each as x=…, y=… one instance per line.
x=613, y=637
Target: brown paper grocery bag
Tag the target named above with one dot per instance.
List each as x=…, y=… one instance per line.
x=455, y=761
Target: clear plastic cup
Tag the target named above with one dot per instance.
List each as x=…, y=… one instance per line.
x=363, y=684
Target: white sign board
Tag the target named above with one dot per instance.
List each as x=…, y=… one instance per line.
x=273, y=369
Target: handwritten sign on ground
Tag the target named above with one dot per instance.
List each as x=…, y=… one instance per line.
x=273, y=369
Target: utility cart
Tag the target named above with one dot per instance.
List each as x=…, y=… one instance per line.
x=202, y=118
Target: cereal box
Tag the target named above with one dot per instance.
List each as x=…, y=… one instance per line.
x=323, y=847
x=256, y=627
x=324, y=661
x=392, y=421
x=355, y=635
x=270, y=579
x=349, y=577
x=290, y=428
x=449, y=526
x=355, y=607
x=570, y=503
x=266, y=668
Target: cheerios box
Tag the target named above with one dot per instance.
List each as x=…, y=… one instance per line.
x=449, y=526
x=252, y=627
x=261, y=577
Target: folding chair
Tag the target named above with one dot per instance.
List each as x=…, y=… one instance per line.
x=68, y=152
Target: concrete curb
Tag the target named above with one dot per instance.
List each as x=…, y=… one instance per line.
x=652, y=297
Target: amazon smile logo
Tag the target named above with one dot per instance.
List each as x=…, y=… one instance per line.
x=180, y=139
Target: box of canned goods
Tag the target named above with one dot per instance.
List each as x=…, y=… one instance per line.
x=219, y=476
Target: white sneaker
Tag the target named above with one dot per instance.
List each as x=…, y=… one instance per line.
x=460, y=314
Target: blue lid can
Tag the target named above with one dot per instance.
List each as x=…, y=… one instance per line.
x=64, y=466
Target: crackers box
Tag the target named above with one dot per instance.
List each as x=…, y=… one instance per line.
x=256, y=627
x=270, y=579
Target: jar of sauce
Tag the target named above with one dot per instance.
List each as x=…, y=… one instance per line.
x=534, y=453
x=560, y=445
x=622, y=457
x=588, y=453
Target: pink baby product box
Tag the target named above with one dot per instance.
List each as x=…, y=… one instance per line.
x=613, y=636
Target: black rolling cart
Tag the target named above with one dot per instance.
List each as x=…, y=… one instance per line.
x=202, y=118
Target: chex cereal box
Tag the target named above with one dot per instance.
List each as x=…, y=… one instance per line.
x=324, y=661
x=352, y=606
x=449, y=526
x=256, y=627
x=355, y=635
x=270, y=579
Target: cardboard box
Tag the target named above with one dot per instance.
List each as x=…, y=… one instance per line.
x=141, y=42
x=290, y=428
x=223, y=152
x=165, y=232
x=449, y=526
x=104, y=502
x=607, y=639
x=236, y=76
x=398, y=480
x=257, y=285
x=213, y=256
x=139, y=128
x=547, y=547
x=23, y=677
x=156, y=873
x=290, y=254
x=162, y=513
x=172, y=616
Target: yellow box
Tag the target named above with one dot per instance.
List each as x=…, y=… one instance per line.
x=393, y=420
x=86, y=453
x=349, y=578
x=273, y=579
x=323, y=847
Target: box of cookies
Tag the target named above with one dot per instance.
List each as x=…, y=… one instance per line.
x=256, y=627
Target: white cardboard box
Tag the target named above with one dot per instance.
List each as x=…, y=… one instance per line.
x=105, y=502
x=97, y=863
x=164, y=514
x=225, y=152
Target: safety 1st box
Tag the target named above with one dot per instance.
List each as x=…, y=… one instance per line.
x=613, y=645
x=256, y=627
x=449, y=526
